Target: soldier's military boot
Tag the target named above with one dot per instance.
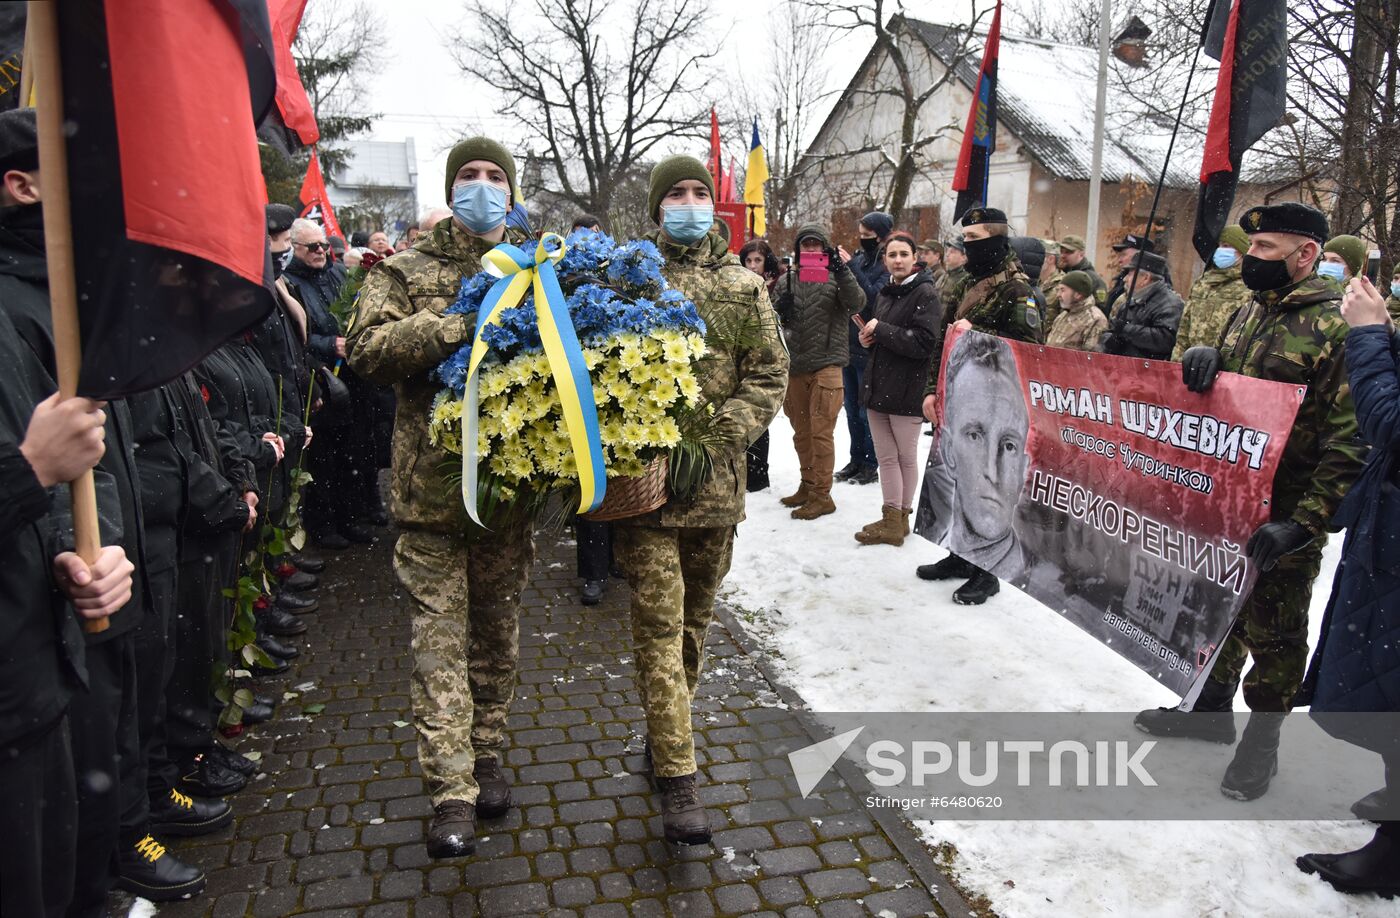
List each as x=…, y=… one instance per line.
x=452, y=832
x=796, y=498
x=817, y=505
x=1209, y=719
x=1256, y=760
x=682, y=817
x=950, y=568
x=981, y=587
x=493, y=797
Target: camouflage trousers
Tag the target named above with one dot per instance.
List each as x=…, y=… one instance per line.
x=466, y=639
x=1272, y=628
x=674, y=574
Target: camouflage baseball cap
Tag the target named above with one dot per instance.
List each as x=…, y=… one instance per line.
x=1072, y=244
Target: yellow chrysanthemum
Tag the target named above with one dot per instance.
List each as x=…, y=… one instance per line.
x=690, y=389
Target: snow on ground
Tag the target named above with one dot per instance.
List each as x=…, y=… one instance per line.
x=855, y=630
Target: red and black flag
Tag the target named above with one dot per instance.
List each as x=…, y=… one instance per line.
x=1250, y=39
x=291, y=125
x=11, y=54
x=162, y=99
x=980, y=132
x=315, y=203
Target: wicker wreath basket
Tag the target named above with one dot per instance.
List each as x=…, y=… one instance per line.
x=634, y=496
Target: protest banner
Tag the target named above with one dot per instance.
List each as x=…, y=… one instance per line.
x=1105, y=489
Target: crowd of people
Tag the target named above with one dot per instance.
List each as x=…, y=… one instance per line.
x=110, y=740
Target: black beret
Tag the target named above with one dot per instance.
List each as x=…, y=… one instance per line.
x=1289, y=217
x=1134, y=241
x=979, y=215
x=19, y=141
x=279, y=218
x=1150, y=261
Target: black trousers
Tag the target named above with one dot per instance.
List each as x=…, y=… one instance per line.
x=757, y=457
x=155, y=665
x=344, y=475
x=595, y=551
x=111, y=776
x=200, y=645
x=39, y=823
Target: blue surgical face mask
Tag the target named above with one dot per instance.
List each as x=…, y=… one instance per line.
x=1333, y=270
x=1225, y=256
x=687, y=223
x=481, y=206
x=1395, y=288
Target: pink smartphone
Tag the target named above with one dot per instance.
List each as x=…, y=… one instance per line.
x=813, y=267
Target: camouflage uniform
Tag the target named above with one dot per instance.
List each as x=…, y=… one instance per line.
x=1392, y=306
x=1079, y=328
x=466, y=595
x=1100, y=288
x=1213, y=299
x=948, y=286
x=1294, y=336
x=1002, y=304
x=1050, y=290
x=676, y=557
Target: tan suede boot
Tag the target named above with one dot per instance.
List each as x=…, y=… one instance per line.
x=817, y=505
x=906, y=513
x=797, y=498
x=889, y=531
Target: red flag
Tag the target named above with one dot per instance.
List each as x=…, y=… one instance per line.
x=716, y=170
x=726, y=188
x=980, y=133
x=315, y=203
x=292, y=102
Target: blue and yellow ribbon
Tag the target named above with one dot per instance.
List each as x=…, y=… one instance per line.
x=519, y=272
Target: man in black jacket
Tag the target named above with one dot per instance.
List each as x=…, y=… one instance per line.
x=43, y=442
x=869, y=269
x=344, y=488
x=1144, y=325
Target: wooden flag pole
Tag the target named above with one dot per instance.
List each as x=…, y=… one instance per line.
x=42, y=33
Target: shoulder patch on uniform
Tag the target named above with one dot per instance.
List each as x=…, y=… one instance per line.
x=1032, y=314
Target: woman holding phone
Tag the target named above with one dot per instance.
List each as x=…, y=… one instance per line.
x=903, y=339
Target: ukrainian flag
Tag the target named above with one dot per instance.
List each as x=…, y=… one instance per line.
x=755, y=174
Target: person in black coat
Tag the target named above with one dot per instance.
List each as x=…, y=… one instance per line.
x=1356, y=667
x=869, y=268
x=903, y=337
x=343, y=493
x=1145, y=324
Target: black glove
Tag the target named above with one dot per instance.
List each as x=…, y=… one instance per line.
x=1274, y=540
x=784, y=306
x=833, y=260
x=1199, y=367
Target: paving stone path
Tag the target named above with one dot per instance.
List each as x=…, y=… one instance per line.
x=335, y=826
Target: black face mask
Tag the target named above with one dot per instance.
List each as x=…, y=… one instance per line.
x=1262, y=274
x=280, y=260
x=869, y=244
x=985, y=256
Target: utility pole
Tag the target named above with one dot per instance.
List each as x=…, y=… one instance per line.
x=1091, y=230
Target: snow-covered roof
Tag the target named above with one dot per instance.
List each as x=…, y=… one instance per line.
x=1046, y=93
x=383, y=163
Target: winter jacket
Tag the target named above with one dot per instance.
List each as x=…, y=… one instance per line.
x=242, y=400
x=909, y=322
x=1213, y=299
x=316, y=289
x=869, y=269
x=24, y=296
x=1297, y=335
x=41, y=645
x=1145, y=327
x=1356, y=666
x=1080, y=328
x=279, y=340
x=818, y=314
x=743, y=380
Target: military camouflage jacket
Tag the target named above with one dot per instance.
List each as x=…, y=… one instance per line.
x=1079, y=329
x=397, y=335
x=1051, y=292
x=1213, y=299
x=1392, y=306
x=743, y=375
x=1298, y=336
x=1002, y=304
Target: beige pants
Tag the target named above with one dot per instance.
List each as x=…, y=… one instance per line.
x=812, y=404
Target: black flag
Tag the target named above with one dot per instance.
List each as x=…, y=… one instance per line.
x=1250, y=39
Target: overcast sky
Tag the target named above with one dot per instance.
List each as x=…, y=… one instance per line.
x=421, y=93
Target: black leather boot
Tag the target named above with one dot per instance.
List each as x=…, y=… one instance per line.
x=683, y=818
x=300, y=582
x=178, y=814
x=205, y=778
x=309, y=563
x=299, y=605
x=227, y=758
x=279, y=622
x=1256, y=759
x=1374, y=868
x=357, y=533
x=592, y=592
x=981, y=587
x=276, y=649
x=453, y=829
x=149, y=871
x=950, y=568
x=1209, y=719
x=493, y=792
